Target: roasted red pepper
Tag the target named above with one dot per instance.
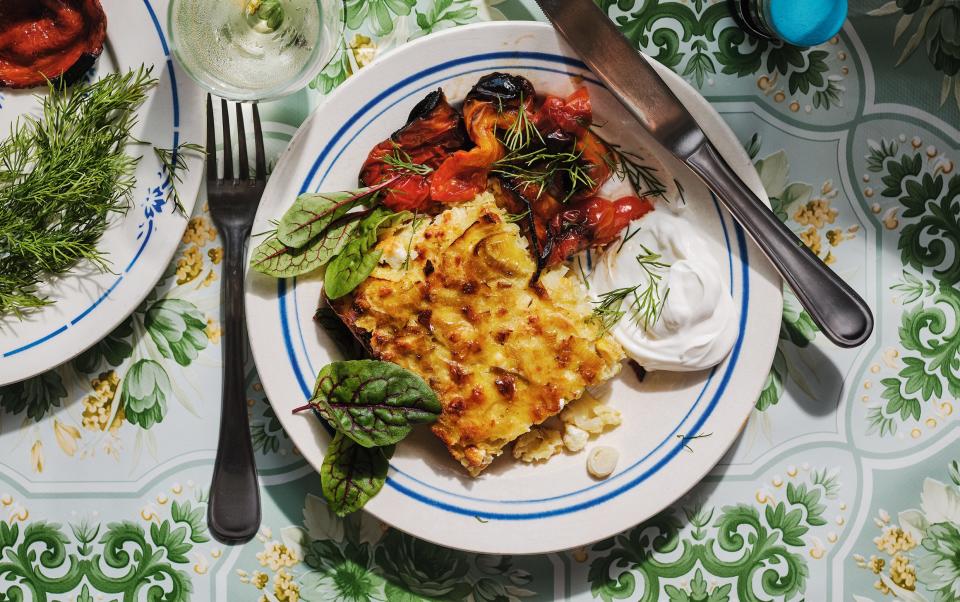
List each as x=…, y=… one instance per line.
x=493, y=105
x=434, y=130
x=464, y=174
x=49, y=39
x=592, y=222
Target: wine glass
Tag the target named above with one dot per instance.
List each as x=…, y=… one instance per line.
x=247, y=50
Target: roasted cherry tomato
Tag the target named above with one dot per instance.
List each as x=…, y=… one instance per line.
x=572, y=114
x=592, y=222
x=408, y=193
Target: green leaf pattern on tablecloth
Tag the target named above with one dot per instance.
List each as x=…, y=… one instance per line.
x=128, y=560
x=375, y=26
x=735, y=546
x=353, y=559
x=36, y=396
x=124, y=433
x=918, y=547
x=700, y=41
x=928, y=191
x=935, y=26
x=797, y=329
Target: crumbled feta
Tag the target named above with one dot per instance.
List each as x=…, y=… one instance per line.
x=395, y=251
x=538, y=445
x=591, y=415
x=574, y=438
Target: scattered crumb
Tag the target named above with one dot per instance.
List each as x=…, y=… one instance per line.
x=574, y=438
x=591, y=415
x=538, y=445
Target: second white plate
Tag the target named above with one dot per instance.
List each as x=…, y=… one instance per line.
x=89, y=304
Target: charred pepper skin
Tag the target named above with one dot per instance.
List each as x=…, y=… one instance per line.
x=43, y=40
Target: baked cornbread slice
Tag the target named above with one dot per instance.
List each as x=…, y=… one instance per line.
x=501, y=355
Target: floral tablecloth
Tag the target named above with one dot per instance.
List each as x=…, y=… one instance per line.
x=844, y=486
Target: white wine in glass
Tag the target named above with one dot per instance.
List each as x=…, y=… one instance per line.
x=254, y=49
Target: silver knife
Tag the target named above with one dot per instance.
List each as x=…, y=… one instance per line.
x=834, y=306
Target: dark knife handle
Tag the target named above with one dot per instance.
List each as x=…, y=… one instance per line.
x=834, y=306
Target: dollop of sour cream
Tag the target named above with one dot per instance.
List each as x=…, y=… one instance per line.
x=697, y=325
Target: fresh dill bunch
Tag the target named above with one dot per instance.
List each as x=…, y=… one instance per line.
x=63, y=174
x=644, y=302
x=629, y=166
x=173, y=162
x=401, y=161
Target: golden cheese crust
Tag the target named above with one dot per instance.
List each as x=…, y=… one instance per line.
x=501, y=355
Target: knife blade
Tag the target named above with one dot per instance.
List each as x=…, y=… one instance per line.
x=842, y=315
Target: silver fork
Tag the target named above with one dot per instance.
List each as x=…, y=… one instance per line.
x=233, y=511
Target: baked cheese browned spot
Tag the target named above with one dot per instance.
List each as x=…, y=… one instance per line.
x=501, y=355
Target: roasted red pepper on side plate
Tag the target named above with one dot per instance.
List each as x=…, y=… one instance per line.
x=44, y=40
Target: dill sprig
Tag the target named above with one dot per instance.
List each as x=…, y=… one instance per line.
x=627, y=235
x=650, y=303
x=522, y=131
x=63, y=174
x=173, y=162
x=513, y=218
x=644, y=302
x=609, y=309
x=629, y=166
x=414, y=226
x=540, y=166
x=401, y=161
x=687, y=438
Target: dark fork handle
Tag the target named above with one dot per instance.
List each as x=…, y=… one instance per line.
x=233, y=512
x=834, y=306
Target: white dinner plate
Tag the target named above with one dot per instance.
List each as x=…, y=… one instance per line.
x=89, y=304
x=513, y=507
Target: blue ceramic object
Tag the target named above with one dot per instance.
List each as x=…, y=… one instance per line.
x=797, y=22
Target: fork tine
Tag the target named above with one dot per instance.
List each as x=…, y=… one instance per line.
x=258, y=141
x=227, y=144
x=243, y=162
x=211, y=143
